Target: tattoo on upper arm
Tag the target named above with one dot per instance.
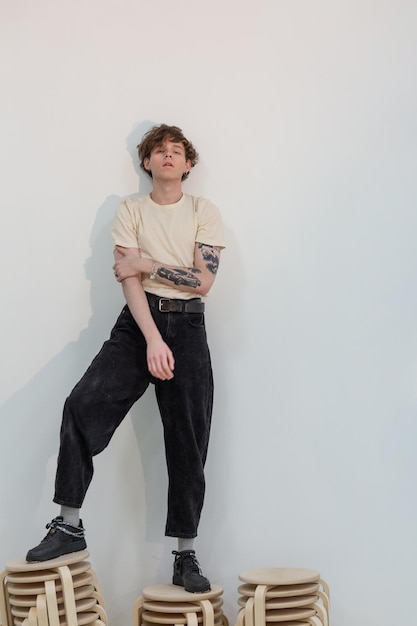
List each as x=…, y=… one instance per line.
x=210, y=255
x=180, y=276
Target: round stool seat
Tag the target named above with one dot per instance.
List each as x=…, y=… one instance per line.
x=21, y=565
x=86, y=591
x=218, y=622
x=81, y=592
x=37, y=588
x=178, y=607
x=281, y=591
x=163, y=618
x=22, y=600
x=82, y=619
x=295, y=623
x=283, y=603
x=285, y=615
x=174, y=593
x=173, y=618
x=81, y=606
x=46, y=574
x=280, y=576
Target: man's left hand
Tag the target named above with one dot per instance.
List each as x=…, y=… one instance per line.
x=128, y=263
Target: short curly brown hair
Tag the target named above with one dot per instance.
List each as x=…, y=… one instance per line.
x=156, y=136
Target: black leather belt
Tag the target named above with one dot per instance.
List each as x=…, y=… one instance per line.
x=168, y=305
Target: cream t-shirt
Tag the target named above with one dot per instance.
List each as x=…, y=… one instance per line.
x=167, y=233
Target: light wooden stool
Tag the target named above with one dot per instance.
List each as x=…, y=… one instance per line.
x=59, y=592
x=284, y=595
x=171, y=604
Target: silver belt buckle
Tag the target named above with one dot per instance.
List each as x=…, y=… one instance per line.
x=163, y=305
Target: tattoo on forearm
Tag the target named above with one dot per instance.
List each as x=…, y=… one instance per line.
x=180, y=276
x=188, y=276
x=211, y=257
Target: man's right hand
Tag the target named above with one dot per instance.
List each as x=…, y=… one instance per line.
x=160, y=359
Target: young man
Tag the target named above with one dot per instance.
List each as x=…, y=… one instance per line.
x=167, y=252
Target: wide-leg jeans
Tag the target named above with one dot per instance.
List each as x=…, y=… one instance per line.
x=115, y=380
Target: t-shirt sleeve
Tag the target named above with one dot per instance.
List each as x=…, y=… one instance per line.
x=210, y=226
x=125, y=228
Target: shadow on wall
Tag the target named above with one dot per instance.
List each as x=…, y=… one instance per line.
x=33, y=414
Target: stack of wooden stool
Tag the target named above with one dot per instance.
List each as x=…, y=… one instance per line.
x=170, y=604
x=58, y=592
x=286, y=595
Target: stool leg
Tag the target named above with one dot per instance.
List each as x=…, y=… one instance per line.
x=240, y=618
x=259, y=605
x=325, y=587
x=322, y=613
x=42, y=610
x=4, y=601
x=51, y=603
x=96, y=583
x=100, y=599
x=32, y=617
x=101, y=613
x=191, y=619
x=208, y=613
x=249, y=612
x=137, y=611
x=325, y=599
x=68, y=593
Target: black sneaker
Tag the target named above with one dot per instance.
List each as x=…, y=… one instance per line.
x=188, y=574
x=62, y=538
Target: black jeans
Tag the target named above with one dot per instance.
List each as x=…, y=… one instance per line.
x=117, y=377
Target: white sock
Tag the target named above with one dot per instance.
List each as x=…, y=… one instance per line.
x=185, y=544
x=70, y=515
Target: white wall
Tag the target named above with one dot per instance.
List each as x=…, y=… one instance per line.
x=304, y=115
